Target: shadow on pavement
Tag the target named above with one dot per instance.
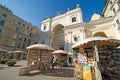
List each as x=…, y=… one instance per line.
x=2, y=68
x=59, y=72
x=17, y=65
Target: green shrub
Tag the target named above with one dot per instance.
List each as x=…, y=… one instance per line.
x=3, y=61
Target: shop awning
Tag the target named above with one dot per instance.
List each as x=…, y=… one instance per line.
x=40, y=46
x=99, y=40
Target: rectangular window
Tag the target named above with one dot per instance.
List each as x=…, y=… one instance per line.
x=31, y=29
x=25, y=40
x=27, y=27
x=23, y=46
x=30, y=34
x=114, y=10
x=17, y=28
x=118, y=22
x=61, y=47
x=20, y=38
x=42, y=42
x=0, y=31
x=19, y=45
x=44, y=27
x=74, y=19
x=29, y=41
x=75, y=52
x=18, y=22
x=119, y=3
x=23, y=25
x=4, y=15
x=2, y=23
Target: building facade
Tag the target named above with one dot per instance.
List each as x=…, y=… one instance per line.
x=15, y=33
x=65, y=30
x=40, y=37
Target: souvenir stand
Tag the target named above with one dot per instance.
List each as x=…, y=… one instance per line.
x=39, y=57
x=2, y=53
x=19, y=54
x=61, y=57
x=16, y=54
x=96, y=56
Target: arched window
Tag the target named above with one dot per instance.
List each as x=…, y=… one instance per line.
x=100, y=34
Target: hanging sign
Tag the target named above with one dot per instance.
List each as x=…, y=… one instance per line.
x=82, y=58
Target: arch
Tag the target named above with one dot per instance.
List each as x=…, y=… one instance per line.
x=57, y=27
x=58, y=38
x=56, y=24
x=101, y=34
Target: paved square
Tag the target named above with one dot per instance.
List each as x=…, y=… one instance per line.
x=11, y=73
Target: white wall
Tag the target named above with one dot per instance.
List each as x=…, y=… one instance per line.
x=63, y=19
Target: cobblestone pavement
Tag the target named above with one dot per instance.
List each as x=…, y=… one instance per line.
x=11, y=73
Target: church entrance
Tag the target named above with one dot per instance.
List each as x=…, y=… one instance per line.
x=58, y=40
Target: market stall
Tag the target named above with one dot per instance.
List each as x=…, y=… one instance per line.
x=16, y=55
x=61, y=57
x=39, y=57
x=2, y=53
x=95, y=56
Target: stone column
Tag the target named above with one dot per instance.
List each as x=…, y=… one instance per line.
x=116, y=32
x=82, y=33
x=70, y=41
x=65, y=42
x=51, y=39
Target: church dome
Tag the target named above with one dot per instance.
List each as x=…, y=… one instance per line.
x=95, y=17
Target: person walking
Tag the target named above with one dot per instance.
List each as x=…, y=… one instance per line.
x=53, y=61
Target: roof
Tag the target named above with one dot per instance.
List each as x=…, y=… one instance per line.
x=9, y=52
x=99, y=39
x=40, y=47
x=60, y=52
x=2, y=50
x=18, y=51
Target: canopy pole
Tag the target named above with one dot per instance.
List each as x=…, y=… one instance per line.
x=96, y=51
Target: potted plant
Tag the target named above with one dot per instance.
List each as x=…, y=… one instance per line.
x=11, y=62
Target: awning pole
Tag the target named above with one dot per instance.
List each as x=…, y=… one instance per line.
x=97, y=71
x=96, y=52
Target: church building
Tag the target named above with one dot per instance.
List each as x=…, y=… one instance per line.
x=65, y=30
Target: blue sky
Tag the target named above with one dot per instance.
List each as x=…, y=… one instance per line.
x=34, y=11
